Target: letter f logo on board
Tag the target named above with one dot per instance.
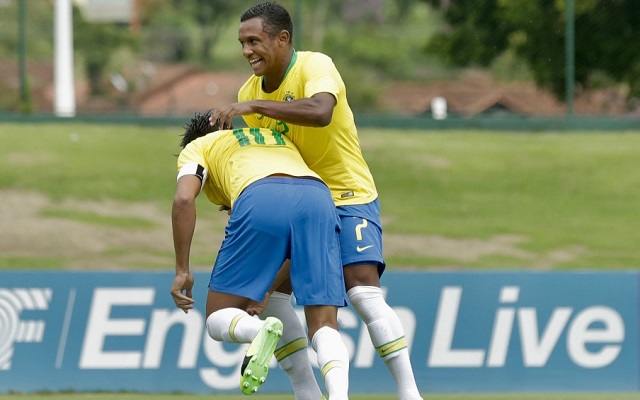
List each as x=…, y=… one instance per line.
x=12, y=330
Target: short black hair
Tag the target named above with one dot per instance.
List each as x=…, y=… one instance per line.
x=275, y=18
x=197, y=127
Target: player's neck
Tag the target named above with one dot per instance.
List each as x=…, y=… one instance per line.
x=272, y=83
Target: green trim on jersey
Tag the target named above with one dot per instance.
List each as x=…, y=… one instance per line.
x=294, y=57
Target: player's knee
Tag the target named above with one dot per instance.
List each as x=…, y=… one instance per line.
x=361, y=275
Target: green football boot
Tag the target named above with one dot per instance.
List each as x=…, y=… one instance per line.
x=255, y=366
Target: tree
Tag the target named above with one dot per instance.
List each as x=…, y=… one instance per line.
x=178, y=22
x=96, y=42
x=606, y=30
x=212, y=17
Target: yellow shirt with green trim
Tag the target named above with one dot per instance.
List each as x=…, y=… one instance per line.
x=228, y=161
x=333, y=151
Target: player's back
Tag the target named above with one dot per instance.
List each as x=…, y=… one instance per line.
x=236, y=158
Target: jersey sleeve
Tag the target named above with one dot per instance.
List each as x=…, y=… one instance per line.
x=194, y=169
x=191, y=162
x=321, y=76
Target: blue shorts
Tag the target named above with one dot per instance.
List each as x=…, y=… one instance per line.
x=361, y=235
x=277, y=218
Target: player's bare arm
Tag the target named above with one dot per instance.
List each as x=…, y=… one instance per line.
x=316, y=111
x=183, y=218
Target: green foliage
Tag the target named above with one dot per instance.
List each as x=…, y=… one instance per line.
x=369, y=53
x=377, y=45
x=97, y=42
x=181, y=31
x=386, y=47
x=480, y=31
x=39, y=29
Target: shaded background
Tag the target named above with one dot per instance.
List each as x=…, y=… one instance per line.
x=495, y=59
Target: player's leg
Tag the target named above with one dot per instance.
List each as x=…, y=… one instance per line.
x=255, y=246
x=333, y=356
x=316, y=277
x=291, y=351
x=291, y=354
x=227, y=321
x=361, y=246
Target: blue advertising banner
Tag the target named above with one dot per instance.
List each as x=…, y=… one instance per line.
x=467, y=332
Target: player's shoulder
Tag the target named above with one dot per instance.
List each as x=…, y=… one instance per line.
x=312, y=63
x=251, y=82
x=313, y=56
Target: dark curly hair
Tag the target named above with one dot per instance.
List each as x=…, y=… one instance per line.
x=275, y=18
x=197, y=127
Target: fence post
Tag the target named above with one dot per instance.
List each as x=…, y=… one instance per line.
x=22, y=39
x=297, y=23
x=570, y=56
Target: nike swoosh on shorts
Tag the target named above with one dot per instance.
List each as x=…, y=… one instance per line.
x=361, y=249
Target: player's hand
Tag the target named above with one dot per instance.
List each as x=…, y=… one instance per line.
x=221, y=117
x=255, y=308
x=225, y=208
x=181, y=291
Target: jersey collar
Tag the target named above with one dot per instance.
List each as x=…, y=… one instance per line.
x=294, y=57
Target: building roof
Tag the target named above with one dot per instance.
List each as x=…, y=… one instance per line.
x=478, y=95
x=181, y=89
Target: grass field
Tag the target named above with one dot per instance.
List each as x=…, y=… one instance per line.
x=472, y=200
x=518, y=396
x=456, y=200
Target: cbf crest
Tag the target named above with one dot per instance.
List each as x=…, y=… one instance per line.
x=288, y=96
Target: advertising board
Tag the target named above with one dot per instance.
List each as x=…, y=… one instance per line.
x=467, y=332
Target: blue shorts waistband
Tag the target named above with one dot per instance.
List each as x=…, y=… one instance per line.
x=289, y=180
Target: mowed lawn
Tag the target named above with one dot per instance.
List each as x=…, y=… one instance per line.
x=429, y=396
x=555, y=200
x=495, y=200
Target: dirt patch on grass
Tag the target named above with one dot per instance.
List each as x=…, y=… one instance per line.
x=28, y=233
x=470, y=250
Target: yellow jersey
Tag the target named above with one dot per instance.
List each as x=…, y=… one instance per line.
x=230, y=160
x=333, y=151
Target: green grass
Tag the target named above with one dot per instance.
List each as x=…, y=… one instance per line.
x=90, y=162
x=571, y=190
x=519, y=396
x=551, y=191
x=555, y=193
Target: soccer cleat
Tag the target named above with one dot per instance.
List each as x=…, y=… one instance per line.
x=255, y=366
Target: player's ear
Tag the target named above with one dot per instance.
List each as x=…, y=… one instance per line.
x=284, y=37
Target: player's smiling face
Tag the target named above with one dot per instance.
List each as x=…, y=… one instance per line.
x=261, y=49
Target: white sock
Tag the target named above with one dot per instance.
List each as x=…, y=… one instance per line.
x=387, y=336
x=291, y=351
x=233, y=325
x=333, y=360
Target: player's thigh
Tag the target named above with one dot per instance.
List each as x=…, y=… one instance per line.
x=361, y=251
x=316, y=269
x=218, y=301
x=255, y=246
